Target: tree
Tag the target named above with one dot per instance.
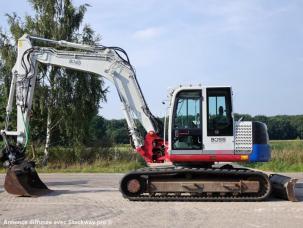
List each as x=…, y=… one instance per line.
x=117, y=131
x=97, y=132
x=297, y=123
x=279, y=127
x=261, y=118
x=65, y=100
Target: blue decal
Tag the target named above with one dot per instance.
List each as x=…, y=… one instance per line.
x=260, y=153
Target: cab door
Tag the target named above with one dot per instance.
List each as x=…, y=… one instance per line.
x=186, y=134
x=218, y=121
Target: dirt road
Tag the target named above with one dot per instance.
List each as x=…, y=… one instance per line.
x=94, y=200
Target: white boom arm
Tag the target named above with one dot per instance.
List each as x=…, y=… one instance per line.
x=103, y=61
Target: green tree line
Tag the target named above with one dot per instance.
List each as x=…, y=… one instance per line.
x=280, y=127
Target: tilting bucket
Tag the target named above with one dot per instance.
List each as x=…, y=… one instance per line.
x=283, y=187
x=23, y=180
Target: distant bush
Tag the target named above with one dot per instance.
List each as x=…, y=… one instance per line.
x=82, y=155
x=281, y=127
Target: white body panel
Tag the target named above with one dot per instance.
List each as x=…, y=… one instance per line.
x=24, y=96
x=214, y=144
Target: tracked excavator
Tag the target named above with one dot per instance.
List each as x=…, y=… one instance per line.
x=183, y=154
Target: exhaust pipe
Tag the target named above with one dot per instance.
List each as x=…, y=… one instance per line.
x=283, y=187
x=23, y=180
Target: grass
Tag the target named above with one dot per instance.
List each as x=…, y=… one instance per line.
x=117, y=159
x=97, y=167
x=287, y=156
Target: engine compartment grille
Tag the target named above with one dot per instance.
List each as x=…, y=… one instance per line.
x=243, y=137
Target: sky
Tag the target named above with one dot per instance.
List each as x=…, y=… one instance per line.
x=255, y=46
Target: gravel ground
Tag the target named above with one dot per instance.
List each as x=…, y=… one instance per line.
x=96, y=200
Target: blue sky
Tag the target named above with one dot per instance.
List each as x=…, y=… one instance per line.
x=254, y=46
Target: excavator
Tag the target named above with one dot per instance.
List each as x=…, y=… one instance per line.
x=190, y=157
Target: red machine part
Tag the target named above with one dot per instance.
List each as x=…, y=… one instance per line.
x=155, y=151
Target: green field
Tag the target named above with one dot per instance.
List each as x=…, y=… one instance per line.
x=287, y=156
x=118, y=159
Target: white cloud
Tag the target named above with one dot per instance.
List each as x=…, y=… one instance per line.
x=148, y=33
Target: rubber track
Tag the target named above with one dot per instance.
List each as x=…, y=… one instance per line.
x=154, y=172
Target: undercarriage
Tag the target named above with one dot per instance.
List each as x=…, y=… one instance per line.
x=204, y=184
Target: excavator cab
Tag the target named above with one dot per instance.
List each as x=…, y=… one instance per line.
x=201, y=125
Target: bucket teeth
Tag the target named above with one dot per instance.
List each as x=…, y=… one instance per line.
x=23, y=180
x=283, y=187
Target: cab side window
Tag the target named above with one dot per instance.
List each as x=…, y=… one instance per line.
x=219, y=112
x=188, y=113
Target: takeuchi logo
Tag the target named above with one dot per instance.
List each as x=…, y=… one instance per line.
x=218, y=140
x=75, y=61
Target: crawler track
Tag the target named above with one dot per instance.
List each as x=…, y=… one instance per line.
x=142, y=187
